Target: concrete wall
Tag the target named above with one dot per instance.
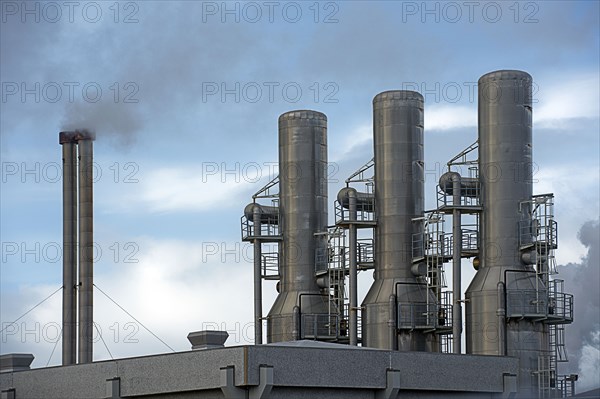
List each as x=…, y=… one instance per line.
x=307, y=369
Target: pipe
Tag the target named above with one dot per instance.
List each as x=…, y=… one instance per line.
x=268, y=214
x=353, y=311
x=456, y=271
x=393, y=323
x=501, y=312
x=468, y=185
x=365, y=202
x=257, y=277
x=69, y=311
x=86, y=249
x=296, y=323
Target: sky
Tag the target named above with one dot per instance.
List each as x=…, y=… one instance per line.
x=184, y=98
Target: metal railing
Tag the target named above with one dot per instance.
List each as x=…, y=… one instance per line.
x=470, y=239
x=362, y=216
x=565, y=384
x=556, y=307
x=267, y=229
x=424, y=316
x=470, y=197
x=539, y=227
x=322, y=326
x=365, y=251
x=270, y=266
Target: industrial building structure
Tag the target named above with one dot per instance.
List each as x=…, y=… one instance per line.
x=404, y=340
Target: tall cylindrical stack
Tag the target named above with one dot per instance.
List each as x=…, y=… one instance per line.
x=303, y=213
x=78, y=246
x=399, y=197
x=505, y=170
x=86, y=250
x=69, y=311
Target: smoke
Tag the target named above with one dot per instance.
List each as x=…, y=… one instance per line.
x=107, y=119
x=583, y=336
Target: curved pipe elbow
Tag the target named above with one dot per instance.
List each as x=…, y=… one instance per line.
x=365, y=202
x=468, y=185
x=268, y=214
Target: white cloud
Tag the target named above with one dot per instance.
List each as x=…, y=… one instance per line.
x=575, y=202
x=562, y=100
x=358, y=137
x=436, y=118
x=447, y=117
x=175, y=288
x=555, y=106
x=195, y=188
x=179, y=286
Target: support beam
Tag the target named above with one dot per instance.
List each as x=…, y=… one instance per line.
x=392, y=386
x=8, y=394
x=510, y=386
x=263, y=390
x=230, y=391
x=113, y=388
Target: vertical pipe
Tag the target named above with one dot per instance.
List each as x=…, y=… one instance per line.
x=296, y=323
x=86, y=249
x=501, y=320
x=353, y=311
x=257, y=277
x=456, y=271
x=393, y=322
x=69, y=310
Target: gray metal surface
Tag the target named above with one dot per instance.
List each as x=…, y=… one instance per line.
x=399, y=197
x=69, y=304
x=86, y=250
x=505, y=170
x=303, y=212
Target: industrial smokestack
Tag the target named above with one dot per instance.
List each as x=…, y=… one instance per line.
x=303, y=213
x=399, y=197
x=69, y=311
x=505, y=173
x=86, y=249
x=77, y=195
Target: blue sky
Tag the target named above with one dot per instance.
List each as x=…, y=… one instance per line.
x=187, y=122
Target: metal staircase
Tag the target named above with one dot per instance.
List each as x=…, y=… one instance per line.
x=435, y=246
x=431, y=248
x=538, y=235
